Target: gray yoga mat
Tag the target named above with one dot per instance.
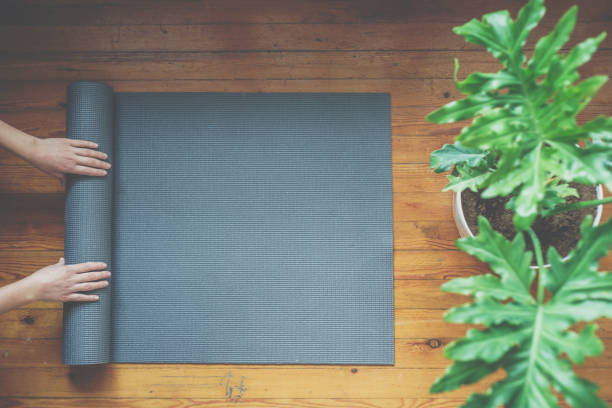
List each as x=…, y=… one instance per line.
x=249, y=228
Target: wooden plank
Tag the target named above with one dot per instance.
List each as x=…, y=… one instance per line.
x=22, y=177
x=231, y=37
x=256, y=65
x=32, y=323
x=34, y=221
x=431, y=402
x=15, y=265
x=101, y=12
x=193, y=381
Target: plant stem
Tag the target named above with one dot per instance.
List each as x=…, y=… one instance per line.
x=577, y=206
x=540, y=260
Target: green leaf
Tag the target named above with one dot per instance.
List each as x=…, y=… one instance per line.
x=467, y=108
x=582, y=53
x=528, y=17
x=508, y=259
x=480, y=82
x=445, y=158
x=578, y=274
x=532, y=191
x=460, y=373
x=529, y=340
x=590, y=165
x=510, y=173
x=497, y=130
x=598, y=130
x=556, y=193
x=577, y=346
x=489, y=312
x=493, y=33
x=549, y=45
x=489, y=345
x=569, y=102
x=467, y=178
x=487, y=285
x=577, y=391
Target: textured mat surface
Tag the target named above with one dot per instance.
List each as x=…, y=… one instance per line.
x=246, y=228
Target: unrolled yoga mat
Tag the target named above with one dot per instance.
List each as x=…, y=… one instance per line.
x=239, y=228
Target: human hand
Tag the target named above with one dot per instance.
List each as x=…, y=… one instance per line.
x=57, y=156
x=63, y=283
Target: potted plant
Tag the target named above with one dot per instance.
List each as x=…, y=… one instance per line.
x=524, y=144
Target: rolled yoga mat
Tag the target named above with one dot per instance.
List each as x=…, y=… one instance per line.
x=251, y=228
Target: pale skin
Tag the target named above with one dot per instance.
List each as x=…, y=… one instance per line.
x=57, y=282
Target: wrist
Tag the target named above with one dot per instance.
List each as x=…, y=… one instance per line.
x=30, y=148
x=29, y=289
x=19, y=142
x=15, y=295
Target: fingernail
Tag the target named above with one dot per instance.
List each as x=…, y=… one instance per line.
x=97, y=297
x=95, y=144
x=104, y=265
x=108, y=166
x=104, y=172
x=105, y=156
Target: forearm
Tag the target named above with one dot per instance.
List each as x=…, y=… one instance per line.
x=17, y=294
x=17, y=141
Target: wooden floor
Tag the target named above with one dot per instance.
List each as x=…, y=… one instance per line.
x=403, y=47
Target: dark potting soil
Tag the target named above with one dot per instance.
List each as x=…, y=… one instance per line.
x=561, y=231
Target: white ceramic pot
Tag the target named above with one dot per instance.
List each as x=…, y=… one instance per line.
x=464, y=229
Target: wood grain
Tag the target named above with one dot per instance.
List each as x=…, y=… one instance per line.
x=100, y=12
x=416, y=36
x=339, y=65
x=401, y=47
x=223, y=402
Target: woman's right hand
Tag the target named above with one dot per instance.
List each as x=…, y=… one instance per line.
x=65, y=283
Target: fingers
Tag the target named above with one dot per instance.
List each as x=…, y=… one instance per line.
x=87, y=267
x=90, y=153
x=92, y=276
x=88, y=171
x=87, y=286
x=82, y=143
x=79, y=297
x=91, y=162
x=61, y=261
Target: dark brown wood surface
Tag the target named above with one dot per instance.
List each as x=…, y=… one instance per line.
x=402, y=47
